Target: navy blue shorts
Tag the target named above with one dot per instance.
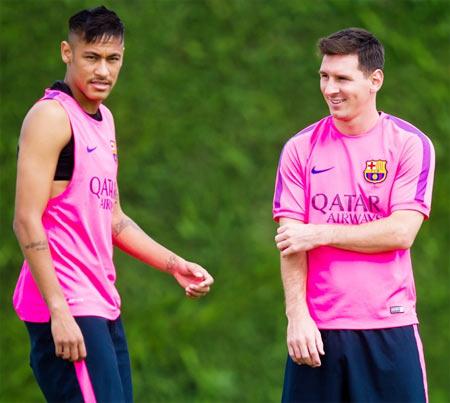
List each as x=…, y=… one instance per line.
x=104, y=376
x=383, y=365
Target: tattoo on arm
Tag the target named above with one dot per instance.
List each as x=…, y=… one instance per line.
x=122, y=224
x=37, y=245
x=171, y=263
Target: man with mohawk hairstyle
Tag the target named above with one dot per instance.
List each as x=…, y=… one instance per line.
x=67, y=218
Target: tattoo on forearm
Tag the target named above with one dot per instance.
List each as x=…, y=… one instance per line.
x=37, y=245
x=171, y=263
x=122, y=224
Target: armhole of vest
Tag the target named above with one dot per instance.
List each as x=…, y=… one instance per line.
x=62, y=195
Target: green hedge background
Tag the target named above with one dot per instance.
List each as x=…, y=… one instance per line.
x=209, y=93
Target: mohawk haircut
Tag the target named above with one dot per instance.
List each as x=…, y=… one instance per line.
x=96, y=24
x=355, y=41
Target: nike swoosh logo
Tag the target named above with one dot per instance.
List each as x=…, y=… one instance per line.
x=318, y=171
x=89, y=150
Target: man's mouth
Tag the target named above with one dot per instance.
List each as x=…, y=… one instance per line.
x=100, y=84
x=336, y=101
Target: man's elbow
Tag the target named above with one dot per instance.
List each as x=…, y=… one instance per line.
x=18, y=225
x=404, y=227
x=405, y=237
x=24, y=223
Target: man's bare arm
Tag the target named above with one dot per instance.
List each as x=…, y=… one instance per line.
x=45, y=131
x=130, y=238
x=303, y=337
x=397, y=231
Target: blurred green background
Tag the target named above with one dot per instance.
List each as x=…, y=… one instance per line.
x=209, y=93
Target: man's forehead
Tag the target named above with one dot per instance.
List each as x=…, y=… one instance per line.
x=342, y=63
x=104, y=43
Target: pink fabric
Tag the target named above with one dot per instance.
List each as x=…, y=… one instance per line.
x=326, y=177
x=422, y=360
x=78, y=224
x=85, y=382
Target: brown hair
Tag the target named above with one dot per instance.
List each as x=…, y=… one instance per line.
x=355, y=41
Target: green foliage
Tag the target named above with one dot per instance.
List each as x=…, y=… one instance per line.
x=209, y=92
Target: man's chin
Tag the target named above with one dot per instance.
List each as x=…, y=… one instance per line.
x=337, y=114
x=340, y=117
x=97, y=96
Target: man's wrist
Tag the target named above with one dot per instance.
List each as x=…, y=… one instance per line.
x=174, y=264
x=58, y=307
x=327, y=234
x=297, y=312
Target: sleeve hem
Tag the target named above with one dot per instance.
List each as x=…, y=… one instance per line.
x=425, y=211
x=294, y=216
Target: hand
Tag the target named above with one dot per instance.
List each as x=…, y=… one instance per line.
x=69, y=341
x=195, y=280
x=293, y=238
x=304, y=341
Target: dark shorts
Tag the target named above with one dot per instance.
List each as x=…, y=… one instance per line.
x=383, y=365
x=104, y=376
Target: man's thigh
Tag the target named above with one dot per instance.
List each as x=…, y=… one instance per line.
x=107, y=358
x=361, y=365
x=304, y=384
x=385, y=365
x=58, y=379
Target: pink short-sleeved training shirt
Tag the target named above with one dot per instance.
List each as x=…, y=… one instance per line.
x=326, y=177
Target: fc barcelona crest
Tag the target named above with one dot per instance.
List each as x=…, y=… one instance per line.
x=375, y=171
x=113, y=149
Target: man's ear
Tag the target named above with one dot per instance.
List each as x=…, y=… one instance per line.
x=66, y=52
x=376, y=80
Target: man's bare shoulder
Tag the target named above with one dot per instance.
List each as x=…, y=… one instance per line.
x=46, y=121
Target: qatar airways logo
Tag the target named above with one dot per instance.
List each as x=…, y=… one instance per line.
x=347, y=208
x=105, y=190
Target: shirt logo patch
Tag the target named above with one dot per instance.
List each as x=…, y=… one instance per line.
x=375, y=171
x=318, y=171
x=90, y=149
x=113, y=149
x=397, y=309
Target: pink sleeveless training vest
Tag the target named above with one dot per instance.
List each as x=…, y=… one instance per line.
x=78, y=224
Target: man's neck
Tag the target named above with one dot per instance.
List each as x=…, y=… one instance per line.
x=358, y=125
x=89, y=106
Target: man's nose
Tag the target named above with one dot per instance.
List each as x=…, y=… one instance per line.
x=331, y=88
x=101, y=68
